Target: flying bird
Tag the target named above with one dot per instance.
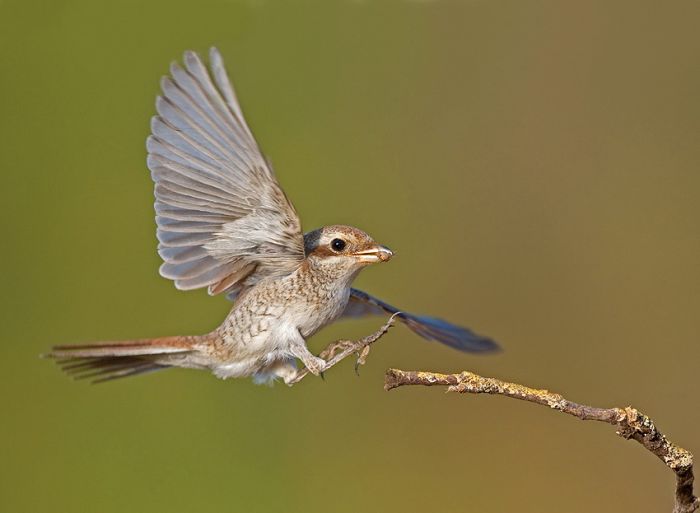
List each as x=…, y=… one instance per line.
x=225, y=224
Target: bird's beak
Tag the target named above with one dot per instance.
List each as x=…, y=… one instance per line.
x=374, y=254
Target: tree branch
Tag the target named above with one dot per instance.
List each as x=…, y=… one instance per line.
x=341, y=349
x=631, y=423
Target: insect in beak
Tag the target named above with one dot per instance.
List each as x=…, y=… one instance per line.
x=374, y=254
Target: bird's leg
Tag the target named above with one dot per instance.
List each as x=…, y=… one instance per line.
x=314, y=364
x=286, y=369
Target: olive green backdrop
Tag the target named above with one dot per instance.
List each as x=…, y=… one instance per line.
x=533, y=164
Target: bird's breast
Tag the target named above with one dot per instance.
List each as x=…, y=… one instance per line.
x=265, y=313
x=320, y=310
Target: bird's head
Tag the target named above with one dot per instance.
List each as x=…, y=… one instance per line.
x=344, y=249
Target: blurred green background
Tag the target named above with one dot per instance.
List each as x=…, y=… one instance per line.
x=534, y=165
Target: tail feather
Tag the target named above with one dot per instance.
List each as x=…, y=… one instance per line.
x=106, y=361
x=129, y=372
x=108, y=368
x=147, y=346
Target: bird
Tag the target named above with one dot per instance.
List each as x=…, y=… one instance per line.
x=225, y=224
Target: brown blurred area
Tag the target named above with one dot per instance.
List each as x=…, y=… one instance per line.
x=533, y=164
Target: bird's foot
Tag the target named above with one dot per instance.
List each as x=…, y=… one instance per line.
x=362, y=355
x=315, y=365
x=341, y=345
x=334, y=348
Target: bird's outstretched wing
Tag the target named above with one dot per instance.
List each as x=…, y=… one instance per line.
x=362, y=304
x=221, y=215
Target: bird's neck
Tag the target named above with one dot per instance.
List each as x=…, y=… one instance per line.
x=328, y=274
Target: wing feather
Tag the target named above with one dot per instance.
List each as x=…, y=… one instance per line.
x=222, y=217
x=182, y=255
x=430, y=328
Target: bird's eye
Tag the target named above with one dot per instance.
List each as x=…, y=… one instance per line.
x=338, y=245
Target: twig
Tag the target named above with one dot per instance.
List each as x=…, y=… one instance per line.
x=631, y=423
x=341, y=349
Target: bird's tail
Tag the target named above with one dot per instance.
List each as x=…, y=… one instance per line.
x=105, y=361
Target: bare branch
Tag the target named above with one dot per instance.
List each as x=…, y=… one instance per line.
x=631, y=423
x=341, y=349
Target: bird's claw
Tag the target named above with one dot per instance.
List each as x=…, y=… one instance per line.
x=315, y=365
x=361, y=358
x=334, y=348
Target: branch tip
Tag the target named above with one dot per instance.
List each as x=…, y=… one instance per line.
x=631, y=423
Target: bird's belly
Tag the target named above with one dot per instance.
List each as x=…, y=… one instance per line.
x=239, y=369
x=256, y=334
x=247, y=355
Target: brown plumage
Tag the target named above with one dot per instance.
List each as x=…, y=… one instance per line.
x=225, y=224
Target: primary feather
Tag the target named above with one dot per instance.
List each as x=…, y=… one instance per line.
x=431, y=328
x=222, y=217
